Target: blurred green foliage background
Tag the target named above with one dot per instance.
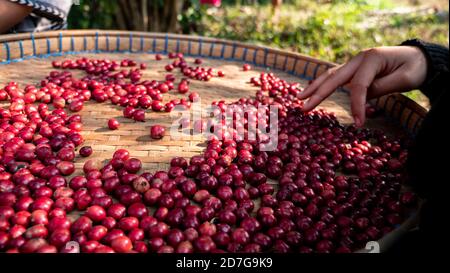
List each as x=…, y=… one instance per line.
x=332, y=30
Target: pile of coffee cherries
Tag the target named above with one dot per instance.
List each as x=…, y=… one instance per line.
x=324, y=188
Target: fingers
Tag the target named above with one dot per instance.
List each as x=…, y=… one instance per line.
x=388, y=84
x=397, y=81
x=358, y=95
x=316, y=83
x=358, y=86
x=397, y=70
x=323, y=88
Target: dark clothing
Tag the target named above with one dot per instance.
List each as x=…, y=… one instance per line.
x=428, y=161
x=46, y=15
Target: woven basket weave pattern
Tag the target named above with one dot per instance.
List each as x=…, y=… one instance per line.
x=29, y=49
x=18, y=47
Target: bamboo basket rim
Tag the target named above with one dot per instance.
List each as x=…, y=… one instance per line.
x=401, y=99
x=405, y=102
x=123, y=33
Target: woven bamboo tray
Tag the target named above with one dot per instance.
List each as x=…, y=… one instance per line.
x=26, y=59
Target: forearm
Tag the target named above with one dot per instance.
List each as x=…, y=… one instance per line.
x=438, y=68
x=11, y=14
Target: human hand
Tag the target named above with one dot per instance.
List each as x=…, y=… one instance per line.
x=372, y=73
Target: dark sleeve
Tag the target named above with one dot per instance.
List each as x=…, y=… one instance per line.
x=427, y=169
x=438, y=68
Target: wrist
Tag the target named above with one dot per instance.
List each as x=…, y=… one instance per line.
x=437, y=64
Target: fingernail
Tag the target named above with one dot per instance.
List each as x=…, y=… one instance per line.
x=357, y=121
x=305, y=105
x=300, y=94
